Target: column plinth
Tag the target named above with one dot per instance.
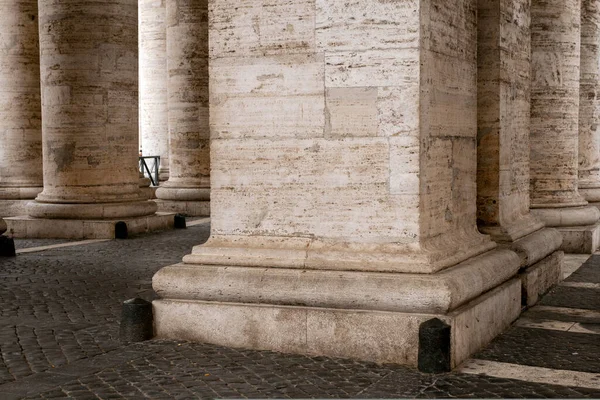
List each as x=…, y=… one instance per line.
x=88, y=63
x=188, y=189
x=555, y=119
x=343, y=185
x=20, y=111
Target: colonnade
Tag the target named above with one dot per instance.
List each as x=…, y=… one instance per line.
x=86, y=71
x=369, y=165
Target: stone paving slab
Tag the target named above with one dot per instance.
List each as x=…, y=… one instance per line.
x=573, y=297
x=545, y=348
x=589, y=271
x=204, y=371
x=59, y=320
x=542, y=314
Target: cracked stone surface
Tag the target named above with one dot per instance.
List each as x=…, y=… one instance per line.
x=59, y=323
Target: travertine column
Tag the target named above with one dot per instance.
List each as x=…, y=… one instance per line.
x=555, y=198
x=589, y=102
x=20, y=110
x=90, y=118
x=154, y=131
x=343, y=184
x=504, y=92
x=188, y=188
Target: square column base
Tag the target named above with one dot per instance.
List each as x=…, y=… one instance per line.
x=378, y=336
x=187, y=208
x=580, y=239
x=537, y=279
x=38, y=228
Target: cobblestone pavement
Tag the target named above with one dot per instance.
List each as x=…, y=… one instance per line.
x=59, y=321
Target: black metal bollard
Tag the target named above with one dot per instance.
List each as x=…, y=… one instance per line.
x=434, y=347
x=121, y=230
x=180, y=221
x=7, y=247
x=136, y=321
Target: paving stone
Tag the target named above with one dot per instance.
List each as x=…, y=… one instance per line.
x=545, y=348
x=536, y=314
x=59, y=325
x=573, y=297
x=589, y=271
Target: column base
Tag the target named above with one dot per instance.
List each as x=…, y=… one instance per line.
x=148, y=192
x=580, y=239
x=371, y=335
x=188, y=208
x=541, y=263
x=163, y=174
x=537, y=279
x=10, y=208
x=40, y=228
x=371, y=316
x=590, y=192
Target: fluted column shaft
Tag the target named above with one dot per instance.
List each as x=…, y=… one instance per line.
x=153, y=82
x=20, y=111
x=89, y=81
x=589, y=102
x=187, y=55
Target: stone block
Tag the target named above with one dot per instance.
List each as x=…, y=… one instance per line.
x=580, y=239
x=28, y=227
x=540, y=277
x=383, y=337
x=187, y=208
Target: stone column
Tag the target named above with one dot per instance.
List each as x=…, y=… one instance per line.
x=504, y=93
x=343, y=185
x=153, y=83
x=555, y=197
x=188, y=189
x=20, y=110
x=589, y=102
x=88, y=60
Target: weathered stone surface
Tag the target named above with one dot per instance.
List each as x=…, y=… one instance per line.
x=589, y=102
x=20, y=110
x=441, y=293
x=503, y=112
x=89, y=100
x=504, y=96
x=343, y=158
x=540, y=277
x=187, y=64
x=154, y=130
x=88, y=59
x=555, y=103
x=580, y=239
x=28, y=227
x=556, y=40
x=319, y=122
x=367, y=335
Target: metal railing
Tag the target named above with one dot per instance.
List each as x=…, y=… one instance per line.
x=152, y=171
